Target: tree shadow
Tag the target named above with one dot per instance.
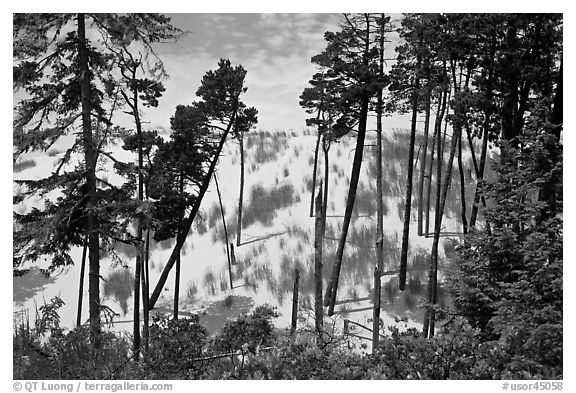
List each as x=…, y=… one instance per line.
x=29, y=284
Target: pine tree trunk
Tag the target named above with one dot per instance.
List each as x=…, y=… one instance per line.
x=433, y=276
x=81, y=285
x=241, y=196
x=314, y=170
x=486, y=133
x=177, y=286
x=408, y=198
x=379, y=204
x=332, y=289
x=318, y=243
x=187, y=224
x=90, y=161
x=462, y=187
x=225, y=230
x=423, y=165
x=144, y=285
x=295, y=301
x=136, y=313
x=437, y=131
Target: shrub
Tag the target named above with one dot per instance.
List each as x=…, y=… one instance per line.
x=174, y=345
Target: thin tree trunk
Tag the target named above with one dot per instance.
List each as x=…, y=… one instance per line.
x=187, y=224
x=225, y=230
x=436, y=139
x=379, y=203
x=408, y=198
x=326, y=149
x=318, y=243
x=433, y=278
x=462, y=187
x=139, y=273
x=144, y=285
x=90, y=161
x=136, y=327
x=486, y=129
x=295, y=301
x=81, y=286
x=241, y=196
x=332, y=288
x=423, y=165
x=177, y=286
x=376, y=311
x=314, y=171
x=179, y=258
x=145, y=295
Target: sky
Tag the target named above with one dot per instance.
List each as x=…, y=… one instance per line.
x=275, y=49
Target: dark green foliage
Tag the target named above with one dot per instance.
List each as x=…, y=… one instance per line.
x=248, y=332
x=508, y=282
x=174, y=344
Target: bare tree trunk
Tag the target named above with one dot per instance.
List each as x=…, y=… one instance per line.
x=187, y=224
x=225, y=230
x=81, y=286
x=423, y=166
x=241, y=196
x=332, y=288
x=90, y=161
x=318, y=243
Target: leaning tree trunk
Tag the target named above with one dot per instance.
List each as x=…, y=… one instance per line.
x=187, y=224
x=241, y=195
x=90, y=162
x=332, y=288
x=225, y=230
x=408, y=198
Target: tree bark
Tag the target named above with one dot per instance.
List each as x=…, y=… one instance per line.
x=462, y=187
x=423, y=166
x=81, y=285
x=90, y=161
x=295, y=301
x=136, y=311
x=318, y=244
x=314, y=172
x=379, y=202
